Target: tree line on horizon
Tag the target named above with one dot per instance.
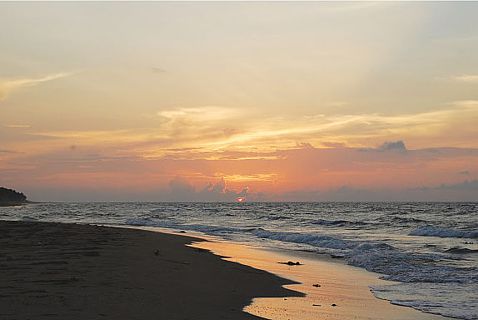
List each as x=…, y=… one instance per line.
x=11, y=196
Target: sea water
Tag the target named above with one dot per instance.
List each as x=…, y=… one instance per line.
x=429, y=249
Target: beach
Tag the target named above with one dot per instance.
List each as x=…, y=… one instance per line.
x=74, y=271
x=333, y=290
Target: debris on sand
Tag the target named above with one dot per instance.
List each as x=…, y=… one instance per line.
x=292, y=263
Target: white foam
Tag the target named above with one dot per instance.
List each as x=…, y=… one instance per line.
x=433, y=298
x=431, y=231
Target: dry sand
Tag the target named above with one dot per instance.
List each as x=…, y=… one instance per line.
x=69, y=271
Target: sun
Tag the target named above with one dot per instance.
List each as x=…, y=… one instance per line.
x=240, y=199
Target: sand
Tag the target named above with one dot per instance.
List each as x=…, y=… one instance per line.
x=333, y=290
x=69, y=271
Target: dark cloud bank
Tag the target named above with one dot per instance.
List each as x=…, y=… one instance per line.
x=180, y=190
x=462, y=192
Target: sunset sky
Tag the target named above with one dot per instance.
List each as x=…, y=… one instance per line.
x=212, y=101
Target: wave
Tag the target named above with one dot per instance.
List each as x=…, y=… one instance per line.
x=304, y=238
x=28, y=219
x=338, y=223
x=437, y=298
x=208, y=229
x=380, y=257
x=394, y=264
x=398, y=219
x=431, y=231
x=460, y=250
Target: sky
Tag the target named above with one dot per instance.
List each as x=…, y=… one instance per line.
x=210, y=101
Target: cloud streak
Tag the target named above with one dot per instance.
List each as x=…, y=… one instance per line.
x=233, y=129
x=7, y=87
x=17, y=126
x=219, y=132
x=467, y=78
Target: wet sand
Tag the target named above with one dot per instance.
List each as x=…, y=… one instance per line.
x=69, y=271
x=334, y=290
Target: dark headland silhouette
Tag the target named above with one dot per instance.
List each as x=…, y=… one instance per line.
x=10, y=197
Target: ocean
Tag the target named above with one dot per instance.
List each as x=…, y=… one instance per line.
x=429, y=250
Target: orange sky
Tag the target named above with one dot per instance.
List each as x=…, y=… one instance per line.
x=210, y=101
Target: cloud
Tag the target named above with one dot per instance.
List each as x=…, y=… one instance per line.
x=7, y=151
x=211, y=132
x=9, y=86
x=464, y=191
x=393, y=146
x=465, y=185
x=231, y=134
x=158, y=70
x=304, y=145
x=180, y=189
x=198, y=114
x=308, y=174
x=180, y=185
x=17, y=126
x=251, y=177
x=465, y=104
x=468, y=78
x=264, y=132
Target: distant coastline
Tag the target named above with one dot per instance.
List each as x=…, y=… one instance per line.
x=10, y=197
x=13, y=204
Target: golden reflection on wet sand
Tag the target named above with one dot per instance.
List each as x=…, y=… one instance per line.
x=334, y=290
x=342, y=293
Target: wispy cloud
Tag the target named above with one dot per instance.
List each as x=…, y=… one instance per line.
x=7, y=151
x=17, y=126
x=249, y=177
x=465, y=103
x=214, y=132
x=7, y=86
x=352, y=129
x=158, y=70
x=199, y=114
x=468, y=78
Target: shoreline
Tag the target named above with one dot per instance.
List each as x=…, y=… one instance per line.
x=342, y=285
x=247, y=280
x=74, y=271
